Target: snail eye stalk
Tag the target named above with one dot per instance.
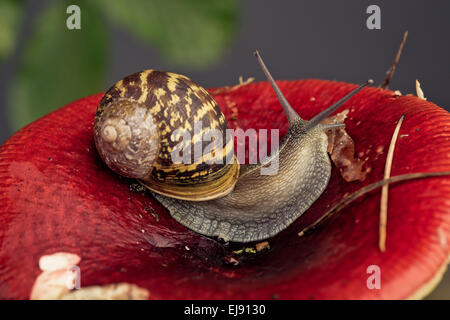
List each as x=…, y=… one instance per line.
x=291, y=114
x=333, y=126
x=327, y=112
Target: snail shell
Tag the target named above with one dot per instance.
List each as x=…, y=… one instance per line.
x=134, y=131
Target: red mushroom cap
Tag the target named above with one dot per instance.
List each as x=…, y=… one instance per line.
x=56, y=195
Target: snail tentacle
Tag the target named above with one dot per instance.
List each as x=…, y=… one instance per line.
x=291, y=114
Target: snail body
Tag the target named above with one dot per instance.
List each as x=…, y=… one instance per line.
x=224, y=200
x=260, y=206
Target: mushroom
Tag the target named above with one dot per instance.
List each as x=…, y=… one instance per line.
x=58, y=196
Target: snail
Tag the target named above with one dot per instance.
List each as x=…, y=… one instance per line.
x=133, y=133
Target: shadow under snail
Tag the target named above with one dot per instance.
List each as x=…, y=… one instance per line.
x=133, y=132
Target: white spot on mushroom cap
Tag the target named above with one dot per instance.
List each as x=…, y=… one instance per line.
x=115, y=291
x=442, y=237
x=419, y=91
x=58, y=261
x=55, y=282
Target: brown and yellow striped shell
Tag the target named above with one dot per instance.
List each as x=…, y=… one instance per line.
x=133, y=131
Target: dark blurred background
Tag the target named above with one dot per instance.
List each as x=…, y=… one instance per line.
x=44, y=66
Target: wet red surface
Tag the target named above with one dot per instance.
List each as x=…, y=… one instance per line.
x=57, y=195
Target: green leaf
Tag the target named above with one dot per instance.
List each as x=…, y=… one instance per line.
x=10, y=14
x=187, y=32
x=58, y=65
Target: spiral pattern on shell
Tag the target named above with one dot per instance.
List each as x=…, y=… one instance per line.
x=128, y=138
